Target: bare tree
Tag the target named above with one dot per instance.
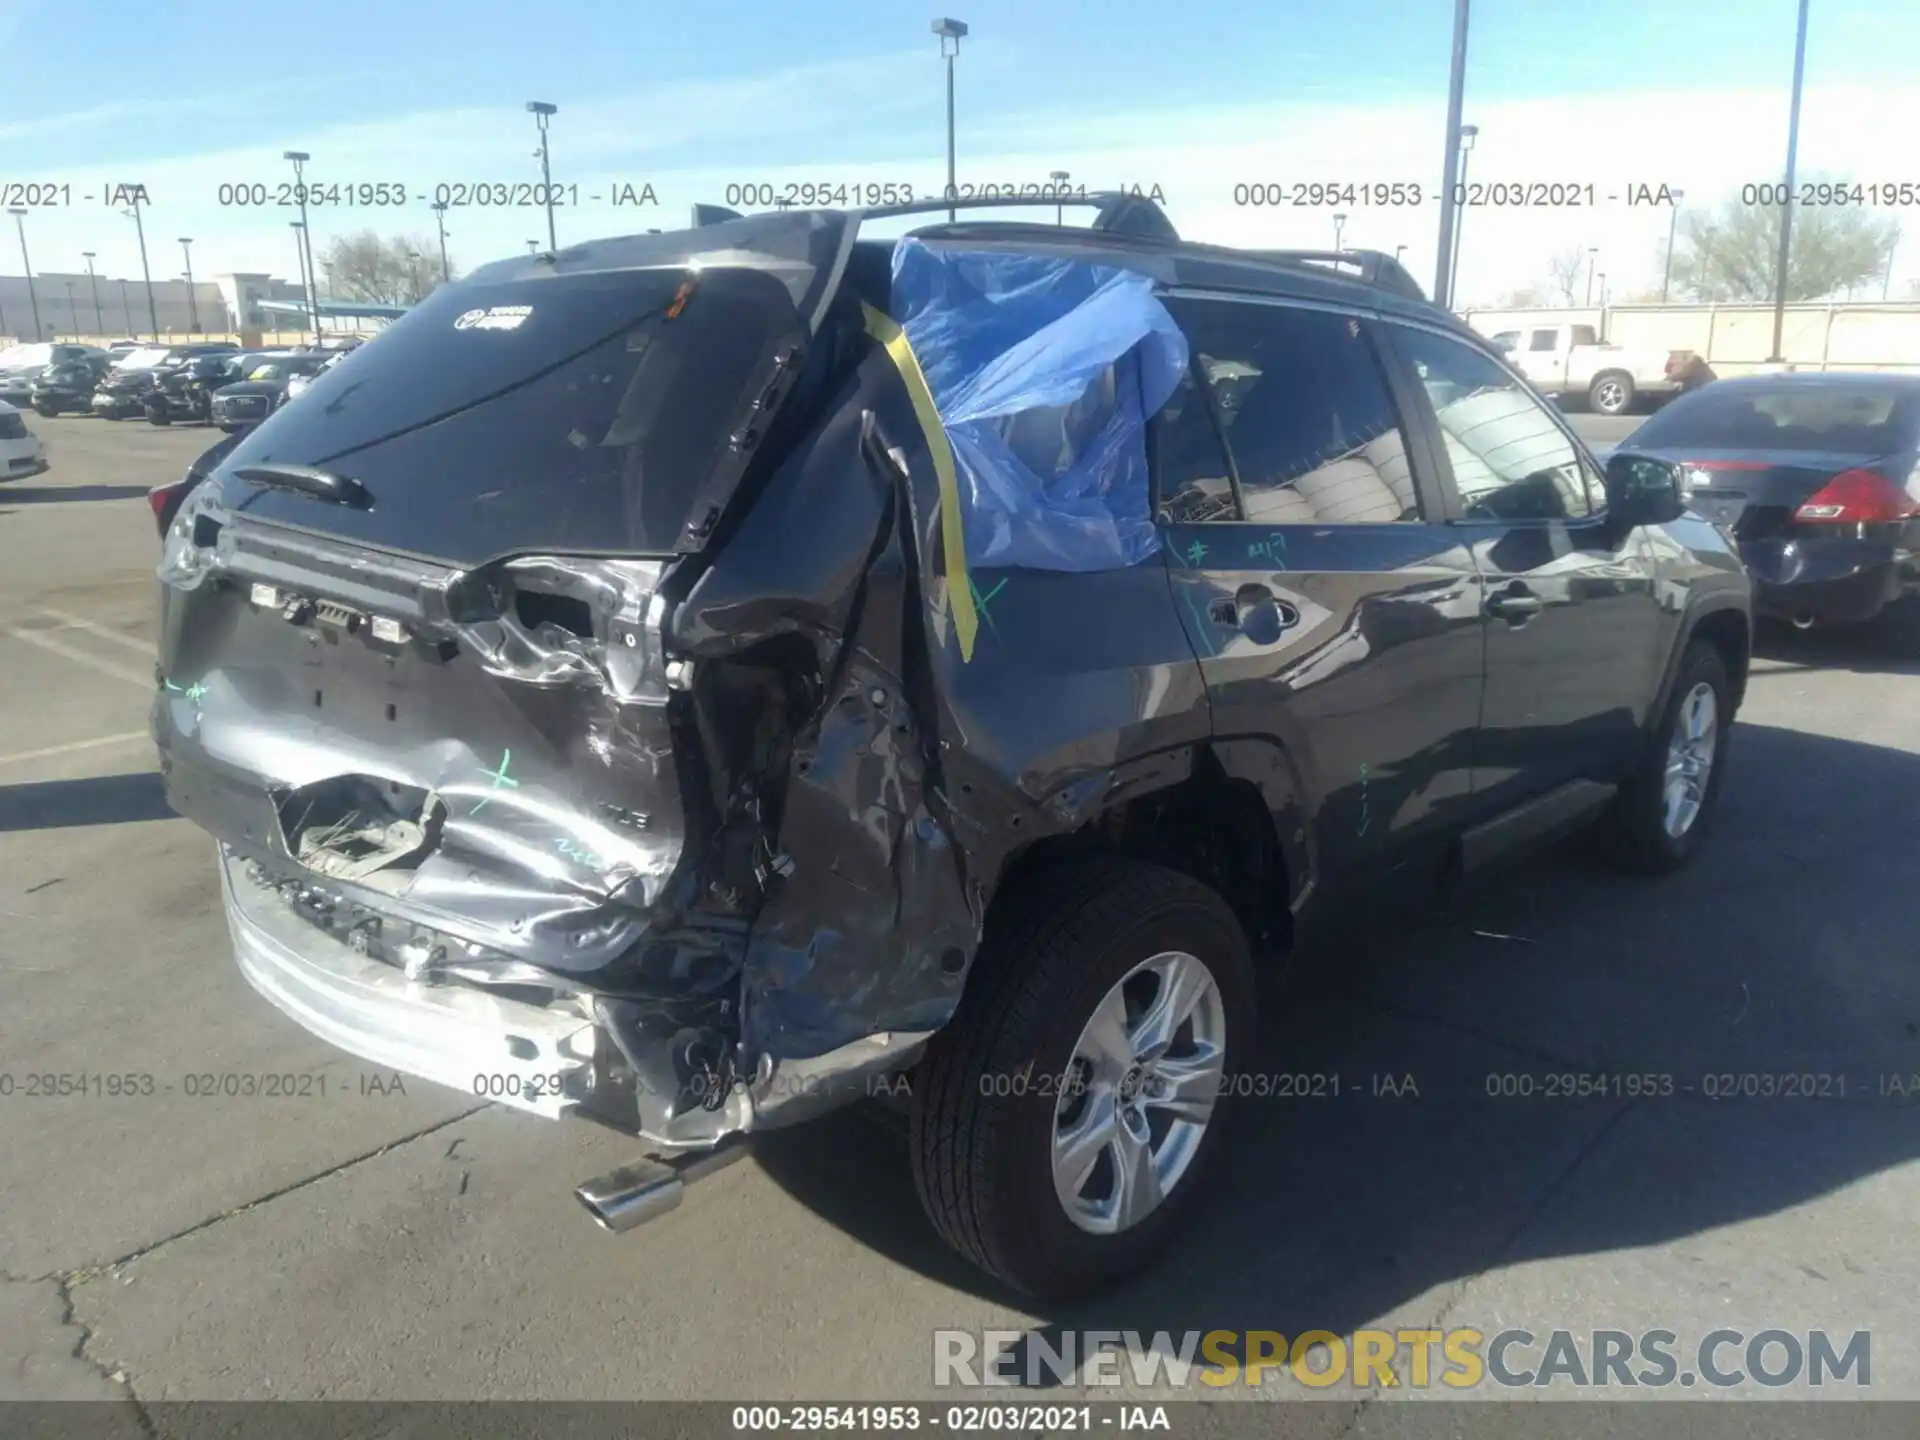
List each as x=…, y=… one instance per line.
x=398, y=270
x=1563, y=274
x=1729, y=254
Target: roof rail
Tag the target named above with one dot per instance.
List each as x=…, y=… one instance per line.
x=1373, y=267
x=1116, y=212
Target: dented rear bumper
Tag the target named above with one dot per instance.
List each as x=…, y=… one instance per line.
x=535, y=1058
x=546, y=1059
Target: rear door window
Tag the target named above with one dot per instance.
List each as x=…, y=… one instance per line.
x=1303, y=405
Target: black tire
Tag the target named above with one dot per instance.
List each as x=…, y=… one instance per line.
x=982, y=1157
x=1611, y=393
x=159, y=417
x=42, y=408
x=1635, y=827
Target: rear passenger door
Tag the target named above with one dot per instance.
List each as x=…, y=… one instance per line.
x=1332, y=616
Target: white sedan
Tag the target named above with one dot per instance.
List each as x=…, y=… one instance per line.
x=22, y=452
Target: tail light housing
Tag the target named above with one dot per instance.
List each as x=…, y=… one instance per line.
x=164, y=500
x=1857, y=497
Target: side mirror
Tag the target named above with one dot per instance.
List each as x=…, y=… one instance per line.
x=1644, y=491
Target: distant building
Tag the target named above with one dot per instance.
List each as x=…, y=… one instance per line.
x=110, y=307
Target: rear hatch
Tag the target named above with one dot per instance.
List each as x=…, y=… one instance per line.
x=410, y=657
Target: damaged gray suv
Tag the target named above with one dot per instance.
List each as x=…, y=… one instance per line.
x=696, y=680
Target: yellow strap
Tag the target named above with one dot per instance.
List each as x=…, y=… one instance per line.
x=966, y=620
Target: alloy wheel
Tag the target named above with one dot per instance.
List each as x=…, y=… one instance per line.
x=1696, y=731
x=1138, y=1093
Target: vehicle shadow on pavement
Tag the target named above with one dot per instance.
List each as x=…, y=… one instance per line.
x=1449, y=1148
x=101, y=800
x=50, y=494
x=1875, y=649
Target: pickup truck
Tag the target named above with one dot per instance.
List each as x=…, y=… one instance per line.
x=1564, y=360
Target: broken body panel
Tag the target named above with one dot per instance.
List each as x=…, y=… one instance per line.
x=683, y=814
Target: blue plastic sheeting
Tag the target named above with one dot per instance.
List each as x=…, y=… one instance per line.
x=1044, y=371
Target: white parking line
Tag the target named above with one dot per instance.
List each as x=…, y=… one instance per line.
x=126, y=738
x=145, y=647
x=79, y=657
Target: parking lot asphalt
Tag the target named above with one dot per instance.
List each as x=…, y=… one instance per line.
x=392, y=1242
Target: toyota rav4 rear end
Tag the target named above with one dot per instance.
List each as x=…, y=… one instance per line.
x=474, y=821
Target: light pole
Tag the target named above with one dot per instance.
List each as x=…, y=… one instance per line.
x=1467, y=134
x=139, y=193
x=73, y=311
x=1059, y=179
x=1456, y=90
x=440, y=219
x=126, y=309
x=93, y=283
x=542, y=112
x=1593, y=260
x=1886, y=284
x=327, y=265
x=1339, y=224
x=1398, y=251
x=533, y=247
x=1673, y=223
x=1603, y=290
x=950, y=33
x=299, y=229
x=1786, y=210
x=193, y=301
x=19, y=213
x=299, y=159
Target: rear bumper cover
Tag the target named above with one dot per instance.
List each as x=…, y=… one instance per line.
x=527, y=1056
x=540, y=1059
x=1825, y=582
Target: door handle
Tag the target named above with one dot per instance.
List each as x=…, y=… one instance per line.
x=1516, y=605
x=1256, y=612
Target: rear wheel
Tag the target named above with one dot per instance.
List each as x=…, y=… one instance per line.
x=1665, y=809
x=159, y=417
x=46, y=408
x=1069, y=1116
x=1611, y=393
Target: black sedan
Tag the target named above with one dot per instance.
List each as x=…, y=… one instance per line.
x=263, y=391
x=1818, y=479
x=69, y=384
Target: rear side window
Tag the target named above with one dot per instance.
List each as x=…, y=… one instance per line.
x=1304, y=409
x=1543, y=340
x=576, y=413
x=1855, y=419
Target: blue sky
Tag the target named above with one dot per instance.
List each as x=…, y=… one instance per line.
x=1192, y=96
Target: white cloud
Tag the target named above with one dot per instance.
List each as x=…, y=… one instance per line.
x=1706, y=141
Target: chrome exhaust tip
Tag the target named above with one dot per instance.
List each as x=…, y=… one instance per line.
x=624, y=1199
x=1803, y=621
